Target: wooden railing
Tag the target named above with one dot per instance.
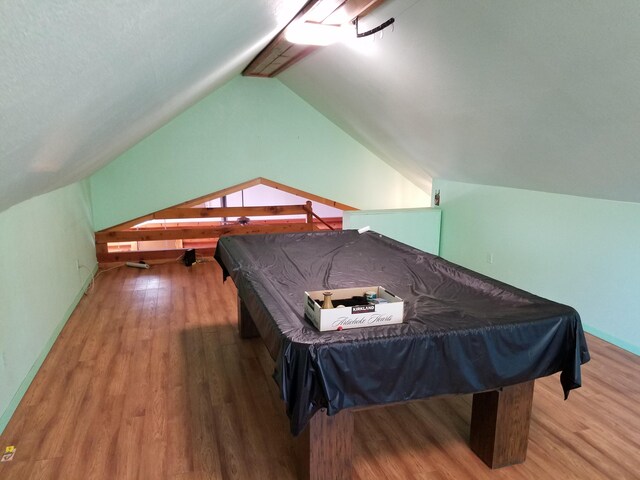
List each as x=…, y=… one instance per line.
x=183, y=231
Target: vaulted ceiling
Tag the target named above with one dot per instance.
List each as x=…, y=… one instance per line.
x=540, y=95
x=80, y=82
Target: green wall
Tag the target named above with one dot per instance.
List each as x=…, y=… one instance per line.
x=580, y=251
x=250, y=127
x=418, y=227
x=40, y=284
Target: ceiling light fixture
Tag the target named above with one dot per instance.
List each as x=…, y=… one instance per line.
x=318, y=23
x=322, y=34
x=311, y=33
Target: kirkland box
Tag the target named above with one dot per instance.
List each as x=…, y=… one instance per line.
x=359, y=315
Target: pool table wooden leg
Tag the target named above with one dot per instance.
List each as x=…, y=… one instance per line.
x=500, y=424
x=246, y=326
x=323, y=449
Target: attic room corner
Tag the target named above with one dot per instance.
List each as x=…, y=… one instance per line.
x=578, y=251
x=43, y=241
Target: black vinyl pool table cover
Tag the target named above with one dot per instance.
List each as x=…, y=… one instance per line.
x=462, y=332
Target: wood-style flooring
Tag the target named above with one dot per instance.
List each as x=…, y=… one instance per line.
x=149, y=380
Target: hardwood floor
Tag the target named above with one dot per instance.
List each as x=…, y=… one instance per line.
x=149, y=380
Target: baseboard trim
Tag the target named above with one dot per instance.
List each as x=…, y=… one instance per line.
x=24, y=385
x=635, y=349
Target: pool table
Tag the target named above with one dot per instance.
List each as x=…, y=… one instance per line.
x=462, y=332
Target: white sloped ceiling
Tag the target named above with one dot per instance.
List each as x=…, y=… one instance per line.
x=541, y=95
x=82, y=81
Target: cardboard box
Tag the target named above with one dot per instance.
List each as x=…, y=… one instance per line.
x=367, y=315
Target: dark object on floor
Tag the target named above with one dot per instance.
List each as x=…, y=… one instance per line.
x=189, y=257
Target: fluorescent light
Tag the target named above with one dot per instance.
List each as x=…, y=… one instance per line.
x=308, y=33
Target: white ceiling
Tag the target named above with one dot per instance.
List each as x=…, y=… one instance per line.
x=80, y=82
x=543, y=95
